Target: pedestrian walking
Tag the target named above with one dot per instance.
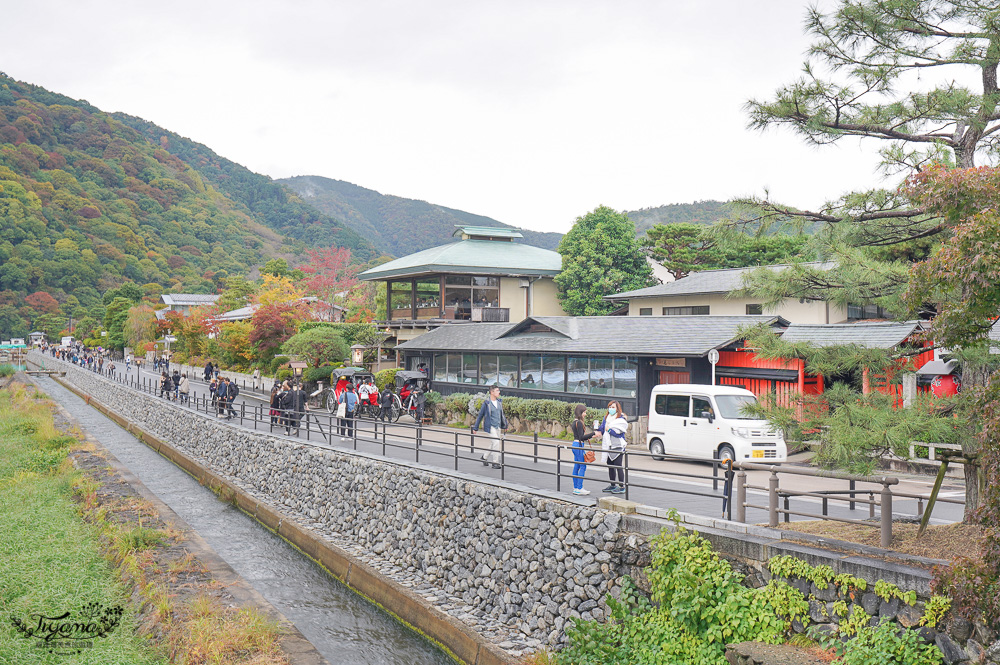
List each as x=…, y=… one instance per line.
x=213, y=390
x=349, y=399
x=275, y=405
x=491, y=413
x=580, y=437
x=298, y=407
x=285, y=398
x=209, y=373
x=221, y=393
x=256, y=378
x=176, y=379
x=184, y=388
x=385, y=402
x=232, y=392
x=612, y=431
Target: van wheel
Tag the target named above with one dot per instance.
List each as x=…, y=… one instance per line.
x=656, y=447
x=726, y=452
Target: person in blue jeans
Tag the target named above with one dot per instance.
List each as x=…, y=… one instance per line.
x=580, y=436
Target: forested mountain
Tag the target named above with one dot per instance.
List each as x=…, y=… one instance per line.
x=699, y=212
x=91, y=200
x=396, y=225
x=267, y=201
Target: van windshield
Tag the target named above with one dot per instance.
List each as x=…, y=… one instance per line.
x=731, y=406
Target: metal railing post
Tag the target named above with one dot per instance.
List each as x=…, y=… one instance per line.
x=788, y=517
x=456, y=451
x=354, y=431
x=625, y=470
x=559, y=469
x=503, y=460
x=772, y=499
x=886, y=516
x=727, y=493
x=853, y=486
x=243, y=411
x=535, y=436
x=416, y=443
x=871, y=505
x=741, y=496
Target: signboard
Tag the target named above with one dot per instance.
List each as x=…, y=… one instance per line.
x=671, y=362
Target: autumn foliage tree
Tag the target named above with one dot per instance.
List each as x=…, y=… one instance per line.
x=272, y=325
x=328, y=272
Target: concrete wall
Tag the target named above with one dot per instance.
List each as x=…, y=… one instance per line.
x=720, y=305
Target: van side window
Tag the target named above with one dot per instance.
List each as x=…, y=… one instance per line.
x=677, y=405
x=701, y=405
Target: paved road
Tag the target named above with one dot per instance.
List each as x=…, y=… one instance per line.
x=683, y=485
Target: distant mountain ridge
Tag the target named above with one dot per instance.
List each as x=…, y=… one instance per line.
x=699, y=212
x=396, y=225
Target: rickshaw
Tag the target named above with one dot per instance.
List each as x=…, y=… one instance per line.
x=338, y=382
x=409, y=385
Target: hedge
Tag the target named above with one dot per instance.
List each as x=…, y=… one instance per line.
x=386, y=377
x=525, y=409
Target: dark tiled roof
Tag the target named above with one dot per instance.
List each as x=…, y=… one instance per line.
x=868, y=334
x=705, y=281
x=669, y=335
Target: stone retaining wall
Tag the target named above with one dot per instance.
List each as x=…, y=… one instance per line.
x=513, y=564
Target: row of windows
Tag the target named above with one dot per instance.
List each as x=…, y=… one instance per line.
x=696, y=310
x=593, y=376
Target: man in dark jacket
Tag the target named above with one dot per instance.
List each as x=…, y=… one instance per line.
x=232, y=390
x=208, y=371
x=221, y=395
x=176, y=380
x=385, y=400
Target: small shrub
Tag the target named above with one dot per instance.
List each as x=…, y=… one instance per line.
x=6, y=370
x=385, y=378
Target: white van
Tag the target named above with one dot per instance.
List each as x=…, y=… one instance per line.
x=706, y=422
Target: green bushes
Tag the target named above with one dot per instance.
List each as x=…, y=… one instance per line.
x=6, y=370
x=314, y=374
x=386, y=377
x=532, y=410
x=698, y=606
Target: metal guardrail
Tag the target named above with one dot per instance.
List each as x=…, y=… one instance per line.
x=515, y=452
x=850, y=496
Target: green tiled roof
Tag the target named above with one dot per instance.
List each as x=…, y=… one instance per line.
x=489, y=231
x=473, y=257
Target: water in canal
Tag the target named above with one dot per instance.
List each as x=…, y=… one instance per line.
x=341, y=625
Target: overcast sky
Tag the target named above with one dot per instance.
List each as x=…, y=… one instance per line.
x=530, y=112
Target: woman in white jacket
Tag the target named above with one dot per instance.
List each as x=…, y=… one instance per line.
x=613, y=443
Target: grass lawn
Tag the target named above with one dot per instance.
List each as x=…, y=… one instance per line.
x=50, y=559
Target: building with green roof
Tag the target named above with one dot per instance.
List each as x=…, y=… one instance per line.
x=485, y=276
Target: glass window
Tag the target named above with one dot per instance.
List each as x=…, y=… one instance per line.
x=470, y=368
x=531, y=371
x=488, y=370
x=454, y=367
x=428, y=298
x=440, y=367
x=731, y=406
x=554, y=373
x=578, y=375
x=700, y=406
x=645, y=311
x=677, y=405
x=626, y=377
x=508, y=371
x=754, y=310
x=458, y=280
x=660, y=405
x=601, y=375
x=401, y=301
x=696, y=310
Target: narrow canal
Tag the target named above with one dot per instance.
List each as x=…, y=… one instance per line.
x=340, y=624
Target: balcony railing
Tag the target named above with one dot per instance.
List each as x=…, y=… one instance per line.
x=491, y=314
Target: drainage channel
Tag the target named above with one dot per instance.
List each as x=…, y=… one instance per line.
x=342, y=626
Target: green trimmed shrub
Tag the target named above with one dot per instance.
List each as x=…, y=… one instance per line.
x=6, y=370
x=385, y=377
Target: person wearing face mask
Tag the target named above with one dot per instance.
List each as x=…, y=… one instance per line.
x=612, y=431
